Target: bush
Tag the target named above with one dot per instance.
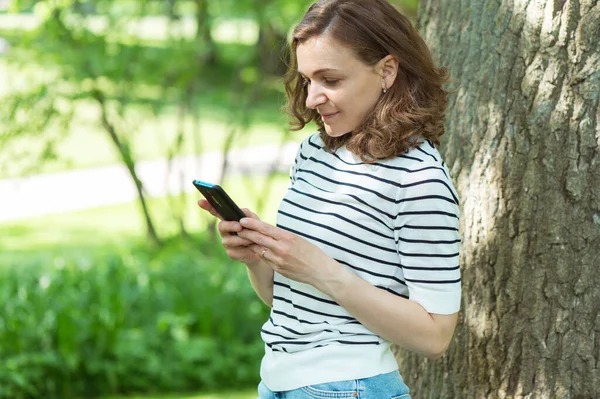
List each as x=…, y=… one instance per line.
x=129, y=322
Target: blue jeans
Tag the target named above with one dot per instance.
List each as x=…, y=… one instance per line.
x=383, y=386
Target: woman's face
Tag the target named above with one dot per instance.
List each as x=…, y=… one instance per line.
x=342, y=88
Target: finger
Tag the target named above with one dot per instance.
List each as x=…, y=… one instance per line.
x=227, y=227
x=240, y=254
x=251, y=214
x=234, y=241
x=204, y=204
x=259, y=250
x=259, y=238
x=263, y=228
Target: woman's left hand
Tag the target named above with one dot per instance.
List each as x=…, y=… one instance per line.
x=288, y=254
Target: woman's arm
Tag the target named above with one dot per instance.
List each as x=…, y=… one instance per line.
x=261, y=278
x=400, y=321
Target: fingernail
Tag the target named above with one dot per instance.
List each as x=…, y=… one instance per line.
x=244, y=222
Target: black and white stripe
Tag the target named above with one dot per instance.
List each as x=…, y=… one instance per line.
x=394, y=223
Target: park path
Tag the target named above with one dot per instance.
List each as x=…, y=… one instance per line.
x=79, y=189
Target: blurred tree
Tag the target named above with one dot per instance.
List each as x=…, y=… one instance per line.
x=272, y=43
x=106, y=67
x=203, y=33
x=94, y=66
x=523, y=145
x=94, y=50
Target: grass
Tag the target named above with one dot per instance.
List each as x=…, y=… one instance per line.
x=112, y=227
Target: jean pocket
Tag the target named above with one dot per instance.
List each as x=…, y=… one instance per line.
x=343, y=389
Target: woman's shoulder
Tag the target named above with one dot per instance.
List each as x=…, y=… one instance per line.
x=428, y=171
x=311, y=143
x=422, y=155
x=314, y=140
x=421, y=163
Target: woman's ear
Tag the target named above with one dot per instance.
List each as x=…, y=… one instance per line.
x=388, y=70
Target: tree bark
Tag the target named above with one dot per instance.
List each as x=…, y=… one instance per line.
x=523, y=147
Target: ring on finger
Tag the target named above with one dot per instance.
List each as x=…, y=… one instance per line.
x=263, y=252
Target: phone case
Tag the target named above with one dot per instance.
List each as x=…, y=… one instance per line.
x=219, y=199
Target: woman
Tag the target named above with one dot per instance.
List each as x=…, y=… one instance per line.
x=366, y=248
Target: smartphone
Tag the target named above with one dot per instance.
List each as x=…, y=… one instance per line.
x=219, y=199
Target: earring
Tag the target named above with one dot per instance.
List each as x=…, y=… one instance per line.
x=384, y=90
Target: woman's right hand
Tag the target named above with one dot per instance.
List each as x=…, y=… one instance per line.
x=237, y=248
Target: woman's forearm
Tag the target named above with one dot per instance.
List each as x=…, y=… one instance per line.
x=396, y=319
x=261, y=278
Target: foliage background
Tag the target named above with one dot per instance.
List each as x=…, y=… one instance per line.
x=138, y=297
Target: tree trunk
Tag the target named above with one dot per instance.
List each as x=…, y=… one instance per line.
x=121, y=145
x=208, y=53
x=124, y=151
x=523, y=147
x=271, y=49
x=272, y=43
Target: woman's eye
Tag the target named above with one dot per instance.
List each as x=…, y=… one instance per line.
x=326, y=82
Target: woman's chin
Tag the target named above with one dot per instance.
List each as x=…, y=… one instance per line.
x=334, y=132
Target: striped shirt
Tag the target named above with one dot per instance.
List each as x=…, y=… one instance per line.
x=393, y=223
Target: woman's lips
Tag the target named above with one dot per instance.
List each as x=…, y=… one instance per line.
x=327, y=117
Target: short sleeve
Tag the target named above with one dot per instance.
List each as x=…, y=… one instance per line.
x=298, y=160
x=294, y=167
x=428, y=240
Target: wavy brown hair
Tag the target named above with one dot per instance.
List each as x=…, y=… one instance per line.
x=412, y=109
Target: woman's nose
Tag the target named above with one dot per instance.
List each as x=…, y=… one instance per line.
x=315, y=96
